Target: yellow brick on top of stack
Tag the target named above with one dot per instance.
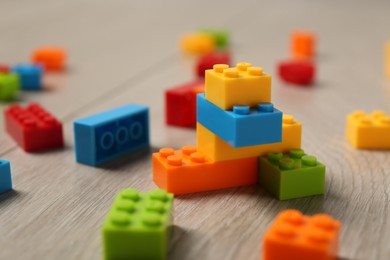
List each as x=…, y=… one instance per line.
x=242, y=85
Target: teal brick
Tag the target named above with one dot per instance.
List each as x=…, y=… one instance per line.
x=291, y=175
x=9, y=86
x=138, y=226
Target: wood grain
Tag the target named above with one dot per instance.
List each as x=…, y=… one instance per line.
x=126, y=51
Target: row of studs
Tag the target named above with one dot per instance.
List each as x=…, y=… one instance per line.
x=27, y=116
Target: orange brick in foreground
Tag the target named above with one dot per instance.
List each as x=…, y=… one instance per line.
x=52, y=58
x=294, y=236
x=188, y=171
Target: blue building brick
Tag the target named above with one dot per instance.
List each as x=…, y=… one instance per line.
x=30, y=76
x=5, y=176
x=242, y=126
x=105, y=136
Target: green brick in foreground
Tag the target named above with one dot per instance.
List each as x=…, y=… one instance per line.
x=221, y=37
x=9, y=86
x=291, y=175
x=138, y=225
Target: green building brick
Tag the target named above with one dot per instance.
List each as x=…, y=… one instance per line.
x=138, y=225
x=221, y=37
x=9, y=86
x=291, y=175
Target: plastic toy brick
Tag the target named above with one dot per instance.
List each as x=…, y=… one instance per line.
x=294, y=236
x=218, y=150
x=207, y=62
x=30, y=76
x=52, y=58
x=303, y=44
x=197, y=43
x=299, y=72
x=242, y=85
x=180, y=104
x=5, y=176
x=188, y=171
x=4, y=68
x=221, y=37
x=33, y=128
x=105, y=136
x=241, y=126
x=138, y=225
x=369, y=131
x=291, y=175
x=9, y=86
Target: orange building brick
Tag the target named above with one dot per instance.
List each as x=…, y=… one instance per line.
x=294, y=236
x=52, y=58
x=303, y=44
x=187, y=171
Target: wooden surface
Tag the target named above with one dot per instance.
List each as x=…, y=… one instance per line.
x=126, y=51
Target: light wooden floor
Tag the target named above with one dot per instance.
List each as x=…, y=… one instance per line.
x=126, y=51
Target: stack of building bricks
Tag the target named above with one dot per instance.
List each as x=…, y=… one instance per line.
x=242, y=139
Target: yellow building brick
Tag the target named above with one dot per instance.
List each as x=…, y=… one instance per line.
x=369, y=131
x=218, y=150
x=242, y=85
x=197, y=43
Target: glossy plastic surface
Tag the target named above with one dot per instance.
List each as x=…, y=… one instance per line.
x=218, y=150
x=291, y=175
x=105, y=136
x=138, y=225
x=180, y=104
x=33, y=128
x=5, y=176
x=241, y=85
x=188, y=171
x=241, y=126
x=294, y=236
